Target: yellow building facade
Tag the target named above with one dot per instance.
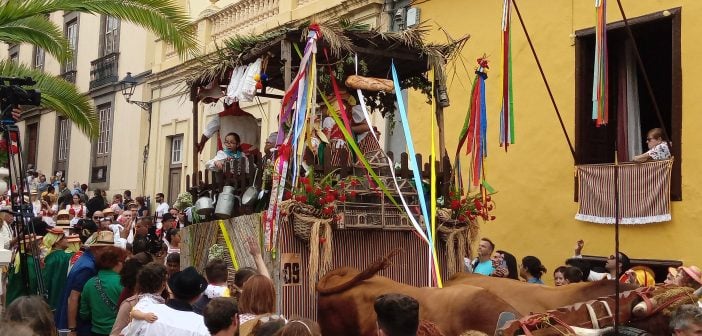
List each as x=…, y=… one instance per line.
x=535, y=205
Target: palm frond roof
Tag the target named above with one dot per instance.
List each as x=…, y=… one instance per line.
x=407, y=48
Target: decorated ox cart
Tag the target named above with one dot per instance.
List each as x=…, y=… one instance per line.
x=326, y=206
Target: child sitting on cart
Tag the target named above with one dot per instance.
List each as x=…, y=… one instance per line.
x=233, y=150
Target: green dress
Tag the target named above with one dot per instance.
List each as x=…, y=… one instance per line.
x=15, y=284
x=55, y=274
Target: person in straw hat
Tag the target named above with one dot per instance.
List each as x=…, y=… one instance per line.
x=83, y=269
x=63, y=220
x=689, y=276
x=15, y=281
x=55, y=264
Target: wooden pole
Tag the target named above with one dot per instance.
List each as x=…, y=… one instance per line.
x=286, y=56
x=196, y=153
x=442, y=140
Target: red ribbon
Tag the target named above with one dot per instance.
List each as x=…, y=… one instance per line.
x=337, y=94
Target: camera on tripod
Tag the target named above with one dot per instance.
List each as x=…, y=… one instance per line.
x=12, y=93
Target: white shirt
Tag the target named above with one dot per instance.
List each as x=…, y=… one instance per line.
x=5, y=236
x=170, y=322
x=246, y=126
x=161, y=209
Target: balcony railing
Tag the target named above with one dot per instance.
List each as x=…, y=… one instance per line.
x=104, y=70
x=244, y=14
x=69, y=76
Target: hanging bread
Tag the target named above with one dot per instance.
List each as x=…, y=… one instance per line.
x=369, y=83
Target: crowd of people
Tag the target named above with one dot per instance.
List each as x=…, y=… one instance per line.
x=112, y=267
x=499, y=263
x=97, y=285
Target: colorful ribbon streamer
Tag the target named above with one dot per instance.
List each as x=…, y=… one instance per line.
x=413, y=162
x=228, y=241
x=507, y=111
x=474, y=132
x=600, y=78
x=299, y=95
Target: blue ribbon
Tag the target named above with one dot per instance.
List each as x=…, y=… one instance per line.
x=412, y=153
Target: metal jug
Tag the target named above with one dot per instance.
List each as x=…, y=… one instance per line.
x=204, y=206
x=225, y=203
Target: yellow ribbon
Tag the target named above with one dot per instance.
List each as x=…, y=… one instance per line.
x=433, y=179
x=228, y=241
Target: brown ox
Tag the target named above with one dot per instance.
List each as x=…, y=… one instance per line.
x=346, y=298
x=530, y=298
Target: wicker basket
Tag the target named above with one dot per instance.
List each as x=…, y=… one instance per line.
x=304, y=217
x=310, y=225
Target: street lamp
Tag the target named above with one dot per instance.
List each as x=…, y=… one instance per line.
x=128, y=84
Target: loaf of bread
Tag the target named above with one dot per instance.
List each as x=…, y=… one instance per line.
x=369, y=83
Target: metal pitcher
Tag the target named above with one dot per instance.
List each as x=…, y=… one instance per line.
x=204, y=206
x=225, y=203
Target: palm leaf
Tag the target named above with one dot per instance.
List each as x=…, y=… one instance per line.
x=165, y=18
x=39, y=31
x=58, y=95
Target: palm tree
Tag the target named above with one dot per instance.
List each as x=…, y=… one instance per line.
x=25, y=21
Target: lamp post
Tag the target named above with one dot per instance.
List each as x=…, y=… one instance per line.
x=129, y=84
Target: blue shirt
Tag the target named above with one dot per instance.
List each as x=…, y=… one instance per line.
x=484, y=268
x=82, y=271
x=535, y=281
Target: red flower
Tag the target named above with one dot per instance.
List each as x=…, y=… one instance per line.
x=330, y=198
x=342, y=198
x=328, y=211
x=488, y=198
x=304, y=180
x=354, y=183
x=353, y=193
x=317, y=191
x=342, y=184
x=13, y=136
x=287, y=195
x=455, y=205
x=302, y=199
x=477, y=204
x=308, y=188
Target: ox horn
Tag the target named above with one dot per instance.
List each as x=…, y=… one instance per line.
x=643, y=308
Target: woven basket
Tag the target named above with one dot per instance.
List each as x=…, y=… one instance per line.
x=304, y=216
x=310, y=225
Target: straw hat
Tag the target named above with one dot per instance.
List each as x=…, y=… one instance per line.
x=7, y=209
x=108, y=212
x=694, y=272
x=63, y=214
x=73, y=238
x=103, y=238
x=56, y=231
x=32, y=238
